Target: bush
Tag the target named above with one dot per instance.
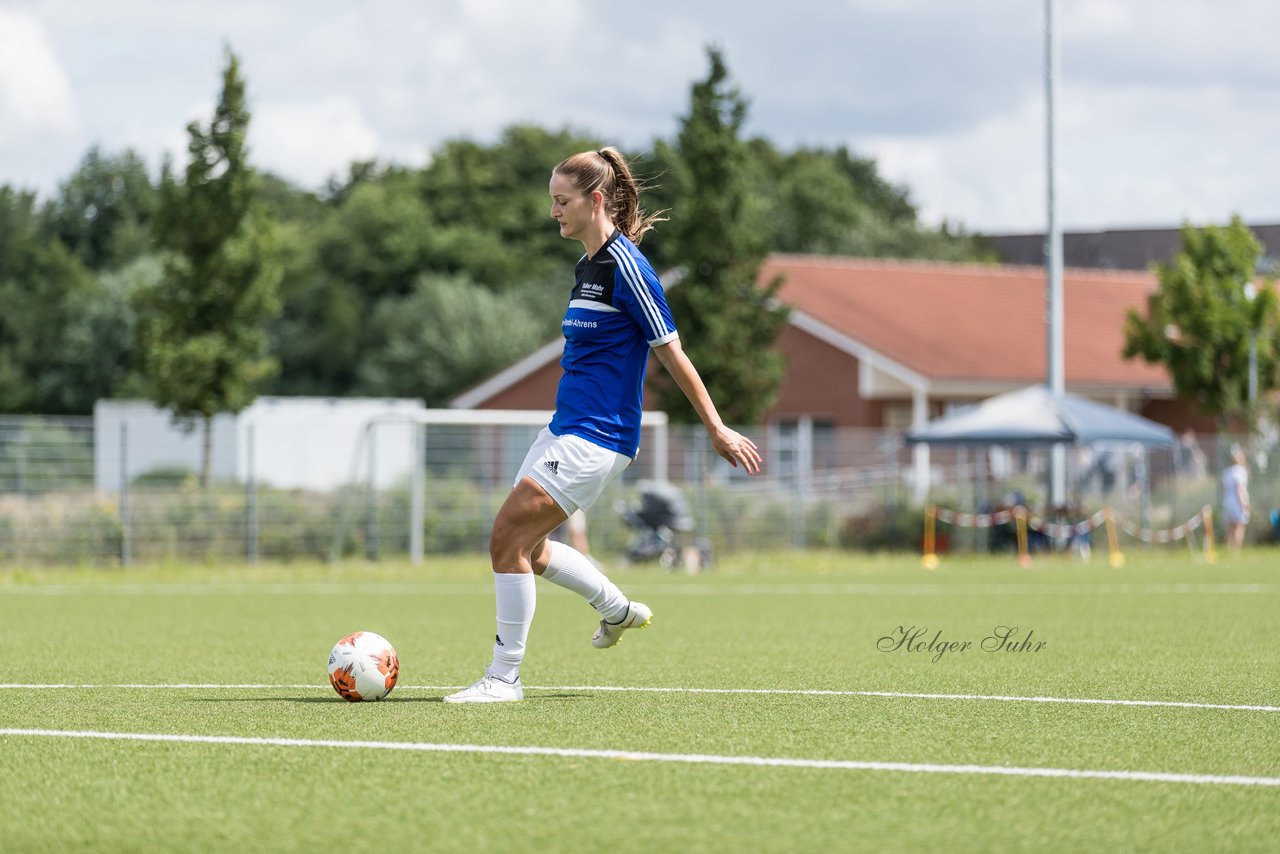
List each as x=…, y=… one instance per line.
x=884, y=529
x=166, y=477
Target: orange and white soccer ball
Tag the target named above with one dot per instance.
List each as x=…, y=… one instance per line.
x=363, y=666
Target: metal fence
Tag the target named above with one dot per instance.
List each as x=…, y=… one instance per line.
x=821, y=488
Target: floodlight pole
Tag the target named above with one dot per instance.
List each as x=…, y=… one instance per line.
x=1251, y=293
x=1053, y=251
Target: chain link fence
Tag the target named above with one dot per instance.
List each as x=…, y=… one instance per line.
x=73, y=492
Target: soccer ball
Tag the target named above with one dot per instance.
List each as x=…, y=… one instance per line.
x=363, y=666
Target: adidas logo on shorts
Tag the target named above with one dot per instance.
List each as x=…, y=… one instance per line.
x=553, y=466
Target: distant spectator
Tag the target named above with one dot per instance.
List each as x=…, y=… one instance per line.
x=1108, y=463
x=1235, y=498
x=1082, y=467
x=1191, y=460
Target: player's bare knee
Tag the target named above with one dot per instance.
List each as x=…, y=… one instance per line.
x=506, y=552
x=499, y=547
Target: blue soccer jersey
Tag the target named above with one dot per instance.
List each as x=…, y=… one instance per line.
x=616, y=313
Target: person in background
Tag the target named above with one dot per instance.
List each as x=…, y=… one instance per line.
x=577, y=525
x=1191, y=460
x=1235, y=498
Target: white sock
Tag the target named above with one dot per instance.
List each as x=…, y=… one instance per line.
x=571, y=569
x=516, y=598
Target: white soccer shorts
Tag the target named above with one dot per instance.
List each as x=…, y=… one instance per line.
x=572, y=470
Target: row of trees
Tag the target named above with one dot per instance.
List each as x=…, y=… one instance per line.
x=202, y=289
x=208, y=285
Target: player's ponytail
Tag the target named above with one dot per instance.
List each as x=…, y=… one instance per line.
x=607, y=170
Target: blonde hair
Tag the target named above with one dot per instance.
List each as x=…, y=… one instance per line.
x=607, y=170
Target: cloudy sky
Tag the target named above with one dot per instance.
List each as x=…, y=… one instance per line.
x=1169, y=110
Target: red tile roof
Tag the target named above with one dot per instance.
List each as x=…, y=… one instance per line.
x=973, y=322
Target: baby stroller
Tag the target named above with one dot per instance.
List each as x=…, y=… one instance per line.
x=659, y=519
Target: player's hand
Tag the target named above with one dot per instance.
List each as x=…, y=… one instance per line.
x=736, y=448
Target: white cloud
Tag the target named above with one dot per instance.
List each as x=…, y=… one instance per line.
x=1084, y=19
x=1148, y=156
x=1130, y=156
x=1167, y=107
x=310, y=141
x=35, y=94
x=986, y=176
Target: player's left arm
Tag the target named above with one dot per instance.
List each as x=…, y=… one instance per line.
x=730, y=444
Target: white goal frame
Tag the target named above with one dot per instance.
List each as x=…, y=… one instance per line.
x=425, y=418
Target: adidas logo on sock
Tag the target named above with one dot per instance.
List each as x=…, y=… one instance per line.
x=553, y=466
x=498, y=640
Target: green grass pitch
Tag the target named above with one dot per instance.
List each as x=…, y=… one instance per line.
x=873, y=763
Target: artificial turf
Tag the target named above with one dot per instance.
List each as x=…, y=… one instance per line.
x=1168, y=628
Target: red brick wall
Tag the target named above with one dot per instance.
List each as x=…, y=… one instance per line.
x=822, y=382
x=536, y=391
x=1179, y=415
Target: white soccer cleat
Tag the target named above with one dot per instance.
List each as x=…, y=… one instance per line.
x=489, y=689
x=638, y=617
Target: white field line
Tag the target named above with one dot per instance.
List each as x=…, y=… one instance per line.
x=636, y=756
x=258, y=686
x=692, y=589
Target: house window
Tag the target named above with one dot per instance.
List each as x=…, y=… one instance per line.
x=824, y=444
x=897, y=417
x=797, y=444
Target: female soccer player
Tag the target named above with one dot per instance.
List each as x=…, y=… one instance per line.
x=617, y=314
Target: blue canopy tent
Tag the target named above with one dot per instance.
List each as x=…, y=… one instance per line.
x=1033, y=416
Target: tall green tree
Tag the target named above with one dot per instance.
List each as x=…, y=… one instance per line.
x=202, y=329
x=831, y=202
x=727, y=324
x=42, y=288
x=489, y=206
x=450, y=333
x=97, y=353
x=376, y=240
x=104, y=212
x=1204, y=317
x=319, y=335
